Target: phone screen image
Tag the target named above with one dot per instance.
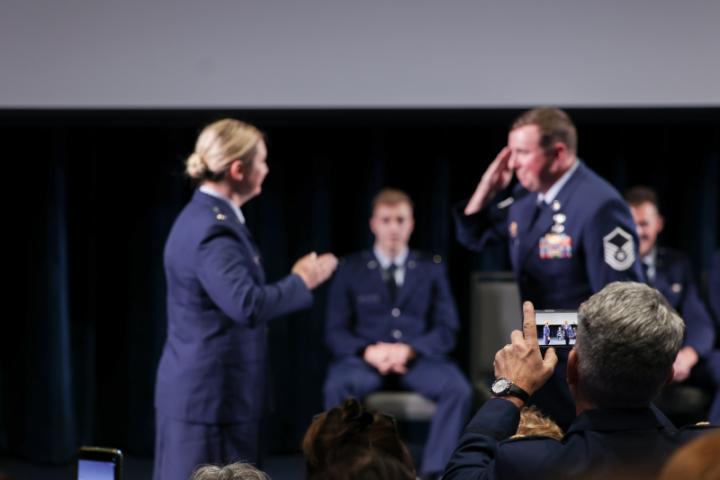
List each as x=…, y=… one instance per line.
x=95, y=470
x=556, y=328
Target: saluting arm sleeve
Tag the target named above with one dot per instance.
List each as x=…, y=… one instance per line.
x=485, y=226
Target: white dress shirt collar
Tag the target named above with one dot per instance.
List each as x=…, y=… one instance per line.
x=553, y=191
x=385, y=261
x=235, y=208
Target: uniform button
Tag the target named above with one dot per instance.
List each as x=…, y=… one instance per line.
x=396, y=334
x=395, y=312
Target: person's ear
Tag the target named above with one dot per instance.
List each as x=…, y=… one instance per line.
x=237, y=170
x=572, y=367
x=661, y=223
x=558, y=154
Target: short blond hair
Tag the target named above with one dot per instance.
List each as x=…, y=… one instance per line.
x=392, y=197
x=218, y=145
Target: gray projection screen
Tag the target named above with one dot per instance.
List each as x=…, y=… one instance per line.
x=364, y=53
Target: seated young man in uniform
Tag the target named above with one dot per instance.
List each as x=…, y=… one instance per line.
x=391, y=321
x=612, y=378
x=668, y=270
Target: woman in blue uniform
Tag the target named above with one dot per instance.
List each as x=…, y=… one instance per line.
x=210, y=381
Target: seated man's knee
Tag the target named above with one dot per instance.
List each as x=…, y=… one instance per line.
x=458, y=388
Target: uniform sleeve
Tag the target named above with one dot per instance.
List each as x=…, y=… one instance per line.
x=443, y=322
x=474, y=457
x=486, y=226
x=699, y=327
x=611, y=246
x=340, y=317
x=224, y=273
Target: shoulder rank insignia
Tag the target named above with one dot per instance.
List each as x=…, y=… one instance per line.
x=619, y=249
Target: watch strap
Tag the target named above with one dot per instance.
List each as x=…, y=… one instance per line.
x=518, y=392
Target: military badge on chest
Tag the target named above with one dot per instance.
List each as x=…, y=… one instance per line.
x=556, y=243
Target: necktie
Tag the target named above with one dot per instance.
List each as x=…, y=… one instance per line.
x=391, y=282
x=648, y=272
x=539, y=207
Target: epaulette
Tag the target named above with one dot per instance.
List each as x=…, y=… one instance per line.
x=219, y=215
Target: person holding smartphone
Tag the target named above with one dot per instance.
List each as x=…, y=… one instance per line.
x=211, y=377
x=568, y=231
x=613, y=380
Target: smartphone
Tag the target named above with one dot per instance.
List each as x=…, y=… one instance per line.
x=98, y=463
x=556, y=328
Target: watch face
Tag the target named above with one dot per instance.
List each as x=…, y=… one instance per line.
x=500, y=385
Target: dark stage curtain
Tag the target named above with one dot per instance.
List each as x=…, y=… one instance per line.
x=91, y=195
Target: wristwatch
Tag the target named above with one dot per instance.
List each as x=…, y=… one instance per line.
x=502, y=387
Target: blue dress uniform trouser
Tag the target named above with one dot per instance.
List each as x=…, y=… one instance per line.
x=437, y=379
x=180, y=447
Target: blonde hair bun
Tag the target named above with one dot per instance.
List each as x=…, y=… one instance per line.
x=218, y=145
x=195, y=167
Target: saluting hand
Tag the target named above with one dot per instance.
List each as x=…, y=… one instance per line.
x=496, y=177
x=521, y=361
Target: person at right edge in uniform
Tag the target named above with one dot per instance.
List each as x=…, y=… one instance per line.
x=569, y=232
x=698, y=361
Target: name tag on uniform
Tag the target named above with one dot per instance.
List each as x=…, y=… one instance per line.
x=554, y=245
x=368, y=298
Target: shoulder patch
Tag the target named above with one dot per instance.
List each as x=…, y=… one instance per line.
x=437, y=259
x=619, y=249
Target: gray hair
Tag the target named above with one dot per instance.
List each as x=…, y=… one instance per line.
x=628, y=338
x=233, y=471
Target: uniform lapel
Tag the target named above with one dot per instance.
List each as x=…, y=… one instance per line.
x=519, y=220
x=661, y=281
x=372, y=275
x=411, y=278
